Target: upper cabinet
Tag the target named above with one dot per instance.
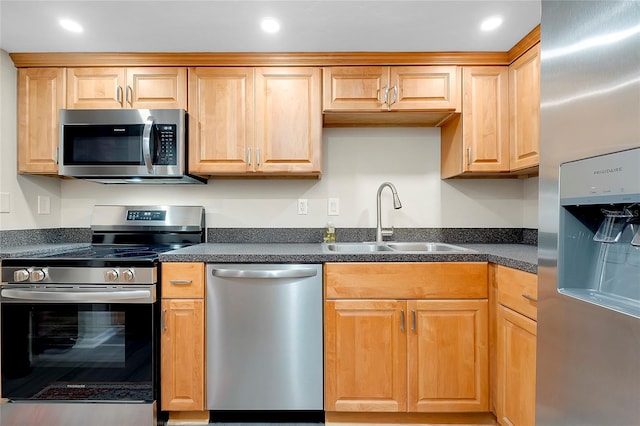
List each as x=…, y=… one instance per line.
x=524, y=106
x=390, y=88
x=357, y=95
x=41, y=93
x=498, y=132
x=255, y=121
x=221, y=120
x=115, y=88
x=261, y=115
x=478, y=139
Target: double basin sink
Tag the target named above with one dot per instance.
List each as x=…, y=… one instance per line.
x=399, y=247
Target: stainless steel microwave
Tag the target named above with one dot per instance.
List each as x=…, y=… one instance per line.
x=124, y=146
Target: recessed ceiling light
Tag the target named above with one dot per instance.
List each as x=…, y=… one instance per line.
x=70, y=25
x=491, y=23
x=270, y=25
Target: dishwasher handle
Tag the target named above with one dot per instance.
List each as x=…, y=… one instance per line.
x=265, y=273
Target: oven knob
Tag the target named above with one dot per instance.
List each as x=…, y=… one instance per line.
x=128, y=275
x=20, y=275
x=111, y=275
x=37, y=275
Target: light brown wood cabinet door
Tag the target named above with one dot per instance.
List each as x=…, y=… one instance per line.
x=288, y=120
x=41, y=93
x=183, y=280
x=423, y=88
x=182, y=357
x=365, y=355
x=95, y=88
x=156, y=87
x=355, y=88
x=384, y=88
x=221, y=120
x=524, y=103
x=516, y=365
x=485, y=117
x=448, y=356
x=116, y=88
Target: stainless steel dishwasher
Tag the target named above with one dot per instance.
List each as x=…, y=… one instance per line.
x=264, y=337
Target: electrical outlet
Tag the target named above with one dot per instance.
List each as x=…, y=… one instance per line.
x=302, y=206
x=333, y=206
x=5, y=202
x=44, y=204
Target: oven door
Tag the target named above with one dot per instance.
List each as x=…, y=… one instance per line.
x=78, y=343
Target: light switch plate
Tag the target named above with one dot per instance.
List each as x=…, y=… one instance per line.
x=333, y=206
x=302, y=206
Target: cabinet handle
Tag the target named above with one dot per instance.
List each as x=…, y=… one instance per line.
x=163, y=321
x=413, y=321
x=395, y=94
x=119, y=95
x=468, y=156
x=129, y=95
x=402, y=321
x=248, y=156
x=385, y=91
x=180, y=282
x=529, y=297
x=257, y=156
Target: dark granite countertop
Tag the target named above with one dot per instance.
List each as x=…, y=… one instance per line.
x=518, y=256
x=39, y=249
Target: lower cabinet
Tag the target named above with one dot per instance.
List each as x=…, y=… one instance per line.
x=182, y=369
x=516, y=347
x=427, y=354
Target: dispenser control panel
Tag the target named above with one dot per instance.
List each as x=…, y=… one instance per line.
x=615, y=175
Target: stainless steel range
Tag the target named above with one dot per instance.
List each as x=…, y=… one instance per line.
x=80, y=330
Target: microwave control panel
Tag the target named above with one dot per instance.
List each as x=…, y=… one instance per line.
x=167, y=150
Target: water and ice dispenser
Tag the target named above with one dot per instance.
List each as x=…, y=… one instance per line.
x=599, y=235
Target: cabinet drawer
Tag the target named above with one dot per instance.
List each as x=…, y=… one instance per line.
x=405, y=280
x=517, y=290
x=182, y=280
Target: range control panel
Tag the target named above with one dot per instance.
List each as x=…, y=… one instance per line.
x=159, y=215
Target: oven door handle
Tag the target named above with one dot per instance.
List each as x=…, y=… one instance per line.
x=56, y=296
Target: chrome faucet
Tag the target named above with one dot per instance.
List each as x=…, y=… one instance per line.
x=380, y=233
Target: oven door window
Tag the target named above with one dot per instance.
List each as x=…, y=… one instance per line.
x=78, y=352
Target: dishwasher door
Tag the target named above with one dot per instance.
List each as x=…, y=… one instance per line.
x=264, y=337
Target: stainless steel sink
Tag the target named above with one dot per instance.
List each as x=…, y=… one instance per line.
x=357, y=247
x=424, y=247
x=408, y=247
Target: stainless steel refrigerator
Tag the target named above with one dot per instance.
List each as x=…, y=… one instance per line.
x=588, y=356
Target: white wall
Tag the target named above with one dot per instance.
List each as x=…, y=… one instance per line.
x=530, y=203
x=355, y=162
x=23, y=190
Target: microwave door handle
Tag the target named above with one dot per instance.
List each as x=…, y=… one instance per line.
x=146, y=143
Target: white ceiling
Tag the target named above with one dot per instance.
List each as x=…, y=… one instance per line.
x=233, y=26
